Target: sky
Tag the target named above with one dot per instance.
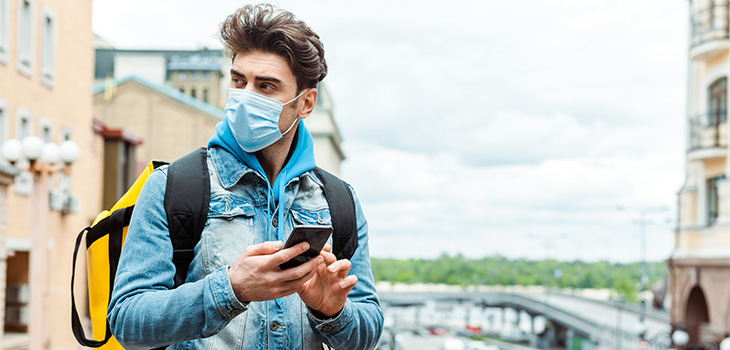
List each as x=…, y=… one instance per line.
x=527, y=129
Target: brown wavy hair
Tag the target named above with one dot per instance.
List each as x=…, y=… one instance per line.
x=266, y=28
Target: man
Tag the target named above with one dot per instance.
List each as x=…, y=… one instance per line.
x=260, y=162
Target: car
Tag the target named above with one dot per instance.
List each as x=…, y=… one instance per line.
x=437, y=331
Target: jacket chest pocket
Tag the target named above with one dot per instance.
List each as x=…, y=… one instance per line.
x=228, y=231
x=311, y=217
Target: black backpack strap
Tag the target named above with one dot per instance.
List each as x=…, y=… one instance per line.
x=76, y=326
x=342, y=212
x=187, y=196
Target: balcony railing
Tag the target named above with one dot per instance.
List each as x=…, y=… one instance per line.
x=708, y=131
x=710, y=23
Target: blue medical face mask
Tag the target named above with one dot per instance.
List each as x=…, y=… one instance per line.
x=254, y=119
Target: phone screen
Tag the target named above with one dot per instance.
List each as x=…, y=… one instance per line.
x=316, y=236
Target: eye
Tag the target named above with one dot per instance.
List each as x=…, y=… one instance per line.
x=267, y=87
x=238, y=82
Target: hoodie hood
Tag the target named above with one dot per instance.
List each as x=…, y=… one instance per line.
x=301, y=161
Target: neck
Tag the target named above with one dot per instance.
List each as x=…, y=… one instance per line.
x=274, y=157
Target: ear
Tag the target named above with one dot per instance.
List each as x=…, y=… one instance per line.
x=310, y=100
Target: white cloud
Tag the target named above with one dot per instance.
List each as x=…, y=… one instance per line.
x=486, y=127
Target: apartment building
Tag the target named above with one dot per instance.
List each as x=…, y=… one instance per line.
x=46, y=76
x=700, y=264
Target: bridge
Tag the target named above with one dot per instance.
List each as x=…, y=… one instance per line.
x=607, y=323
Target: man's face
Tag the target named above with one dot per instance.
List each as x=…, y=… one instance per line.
x=268, y=75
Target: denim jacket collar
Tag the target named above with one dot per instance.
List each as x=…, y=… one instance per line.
x=231, y=170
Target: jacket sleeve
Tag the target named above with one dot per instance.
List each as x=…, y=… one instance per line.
x=144, y=311
x=360, y=323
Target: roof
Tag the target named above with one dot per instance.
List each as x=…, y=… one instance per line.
x=104, y=58
x=165, y=90
x=194, y=63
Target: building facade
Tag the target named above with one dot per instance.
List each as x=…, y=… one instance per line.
x=46, y=75
x=700, y=264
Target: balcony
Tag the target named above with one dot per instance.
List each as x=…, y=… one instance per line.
x=710, y=29
x=707, y=136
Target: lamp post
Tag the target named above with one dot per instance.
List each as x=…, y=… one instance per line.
x=42, y=163
x=641, y=332
x=642, y=222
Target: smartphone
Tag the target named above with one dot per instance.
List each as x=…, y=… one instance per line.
x=316, y=236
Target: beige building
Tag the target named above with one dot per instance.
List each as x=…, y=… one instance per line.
x=700, y=264
x=142, y=121
x=46, y=60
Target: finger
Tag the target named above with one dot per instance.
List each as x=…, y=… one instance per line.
x=327, y=248
x=296, y=284
x=348, y=283
x=341, y=267
x=302, y=270
x=344, y=269
x=265, y=248
x=287, y=254
x=329, y=258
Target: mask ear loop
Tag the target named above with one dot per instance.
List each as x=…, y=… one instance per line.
x=296, y=120
x=292, y=125
x=298, y=96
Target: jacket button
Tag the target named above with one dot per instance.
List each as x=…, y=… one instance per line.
x=274, y=326
x=275, y=222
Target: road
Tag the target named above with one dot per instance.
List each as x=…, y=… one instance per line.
x=607, y=315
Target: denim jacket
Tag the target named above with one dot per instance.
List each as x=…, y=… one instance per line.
x=204, y=313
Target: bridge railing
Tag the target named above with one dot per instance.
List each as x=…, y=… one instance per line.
x=581, y=325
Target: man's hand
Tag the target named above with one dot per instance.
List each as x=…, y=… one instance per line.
x=256, y=274
x=327, y=291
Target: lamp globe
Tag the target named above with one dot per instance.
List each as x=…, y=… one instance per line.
x=12, y=150
x=69, y=151
x=33, y=147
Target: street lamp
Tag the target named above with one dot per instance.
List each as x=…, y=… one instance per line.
x=42, y=159
x=680, y=337
x=725, y=344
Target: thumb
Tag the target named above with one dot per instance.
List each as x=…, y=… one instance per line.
x=265, y=248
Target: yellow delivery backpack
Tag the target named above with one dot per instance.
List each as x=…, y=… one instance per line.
x=187, y=197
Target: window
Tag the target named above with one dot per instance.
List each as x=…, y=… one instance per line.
x=4, y=29
x=46, y=129
x=713, y=199
x=205, y=95
x=65, y=134
x=194, y=76
x=181, y=76
x=48, y=49
x=206, y=76
x=3, y=122
x=25, y=37
x=23, y=126
x=192, y=92
x=718, y=102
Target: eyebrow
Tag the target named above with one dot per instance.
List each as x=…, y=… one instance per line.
x=264, y=78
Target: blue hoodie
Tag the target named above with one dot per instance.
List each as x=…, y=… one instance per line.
x=301, y=160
